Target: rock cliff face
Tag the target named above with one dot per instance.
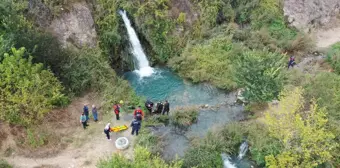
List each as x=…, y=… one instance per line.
x=74, y=25
x=309, y=14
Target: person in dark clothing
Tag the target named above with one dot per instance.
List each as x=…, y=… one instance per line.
x=116, y=108
x=159, y=107
x=149, y=105
x=107, y=131
x=291, y=62
x=166, y=108
x=83, y=120
x=138, y=114
x=86, y=111
x=135, y=124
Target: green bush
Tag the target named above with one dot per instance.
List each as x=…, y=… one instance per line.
x=227, y=139
x=28, y=91
x=184, y=117
x=142, y=159
x=90, y=69
x=4, y=164
x=148, y=140
x=333, y=57
x=261, y=143
x=155, y=120
x=211, y=61
x=325, y=88
x=261, y=74
x=202, y=157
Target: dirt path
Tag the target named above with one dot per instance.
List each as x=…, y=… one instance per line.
x=326, y=38
x=87, y=146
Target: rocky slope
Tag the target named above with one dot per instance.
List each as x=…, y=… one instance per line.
x=74, y=25
x=320, y=17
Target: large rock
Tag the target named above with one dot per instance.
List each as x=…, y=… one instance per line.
x=307, y=14
x=75, y=26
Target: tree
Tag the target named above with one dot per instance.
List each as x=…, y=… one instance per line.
x=27, y=90
x=260, y=73
x=302, y=133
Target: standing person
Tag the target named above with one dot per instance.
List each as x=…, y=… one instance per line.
x=138, y=114
x=83, y=120
x=116, y=109
x=107, y=131
x=291, y=62
x=166, y=108
x=149, y=105
x=94, y=113
x=159, y=107
x=86, y=111
x=135, y=124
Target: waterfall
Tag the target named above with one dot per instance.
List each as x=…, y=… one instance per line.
x=142, y=64
x=227, y=161
x=243, y=150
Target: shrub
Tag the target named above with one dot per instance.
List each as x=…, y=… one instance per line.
x=143, y=159
x=28, y=91
x=211, y=61
x=184, y=117
x=303, y=135
x=227, y=139
x=89, y=69
x=260, y=73
x=325, y=89
x=202, y=157
x=155, y=120
x=4, y=164
x=148, y=140
x=333, y=57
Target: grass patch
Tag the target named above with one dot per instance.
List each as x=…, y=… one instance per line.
x=182, y=118
x=156, y=120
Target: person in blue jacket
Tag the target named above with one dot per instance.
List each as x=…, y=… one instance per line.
x=135, y=124
x=86, y=111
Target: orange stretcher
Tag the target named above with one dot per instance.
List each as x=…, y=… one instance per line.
x=119, y=128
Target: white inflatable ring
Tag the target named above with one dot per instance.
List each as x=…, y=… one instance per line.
x=122, y=143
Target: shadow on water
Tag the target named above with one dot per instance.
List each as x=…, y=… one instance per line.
x=165, y=85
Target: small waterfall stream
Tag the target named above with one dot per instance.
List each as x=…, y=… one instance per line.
x=142, y=66
x=243, y=150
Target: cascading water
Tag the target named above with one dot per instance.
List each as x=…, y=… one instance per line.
x=227, y=161
x=142, y=64
x=243, y=150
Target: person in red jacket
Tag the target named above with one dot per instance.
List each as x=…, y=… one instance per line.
x=116, y=109
x=138, y=114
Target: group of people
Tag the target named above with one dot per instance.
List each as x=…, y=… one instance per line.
x=160, y=107
x=84, y=118
x=138, y=115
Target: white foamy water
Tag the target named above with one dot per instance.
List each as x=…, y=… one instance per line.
x=243, y=150
x=142, y=66
x=227, y=161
